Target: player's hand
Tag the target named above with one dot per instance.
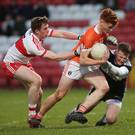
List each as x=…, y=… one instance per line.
x=111, y=40
x=79, y=37
x=104, y=67
x=77, y=52
x=105, y=56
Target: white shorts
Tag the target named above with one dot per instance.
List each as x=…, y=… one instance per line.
x=75, y=71
x=114, y=102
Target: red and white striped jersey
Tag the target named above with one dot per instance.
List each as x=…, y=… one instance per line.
x=27, y=47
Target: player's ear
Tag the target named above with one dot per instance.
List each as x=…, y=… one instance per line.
x=101, y=21
x=37, y=31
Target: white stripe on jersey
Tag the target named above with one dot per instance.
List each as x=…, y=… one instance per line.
x=49, y=32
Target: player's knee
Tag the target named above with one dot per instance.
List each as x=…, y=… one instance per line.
x=111, y=119
x=40, y=92
x=104, y=88
x=59, y=95
x=37, y=81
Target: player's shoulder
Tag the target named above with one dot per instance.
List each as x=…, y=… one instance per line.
x=89, y=30
x=30, y=38
x=28, y=34
x=90, y=34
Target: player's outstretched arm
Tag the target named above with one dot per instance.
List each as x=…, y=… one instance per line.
x=119, y=71
x=64, y=34
x=59, y=56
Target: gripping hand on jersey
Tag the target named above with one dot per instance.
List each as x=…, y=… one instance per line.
x=78, y=50
x=105, y=67
x=111, y=40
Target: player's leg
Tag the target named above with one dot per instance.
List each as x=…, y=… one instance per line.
x=64, y=86
x=33, y=82
x=78, y=117
x=68, y=118
x=71, y=72
x=27, y=85
x=98, y=80
x=39, y=100
x=101, y=88
x=36, y=124
x=112, y=112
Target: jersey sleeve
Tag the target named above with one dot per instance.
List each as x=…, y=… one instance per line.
x=36, y=48
x=50, y=31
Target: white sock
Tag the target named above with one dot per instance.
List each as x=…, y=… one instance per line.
x=32, y=110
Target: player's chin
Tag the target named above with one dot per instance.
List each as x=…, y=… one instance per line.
x=120, y=63
x=107, y=31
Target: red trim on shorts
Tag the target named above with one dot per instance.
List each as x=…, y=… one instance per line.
x=11, y=68
x=21, y=48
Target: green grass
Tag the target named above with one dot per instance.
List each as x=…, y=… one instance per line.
x=13, y=115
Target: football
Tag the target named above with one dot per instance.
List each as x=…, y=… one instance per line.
x=97, y=51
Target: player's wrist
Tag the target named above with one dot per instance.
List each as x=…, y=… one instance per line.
x=76, y=53
x=79, y=37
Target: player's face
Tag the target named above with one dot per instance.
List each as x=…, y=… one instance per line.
x=106, y=27
x=42, y=33
x=120, y=57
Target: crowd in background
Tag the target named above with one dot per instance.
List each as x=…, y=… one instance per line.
x=13, y=16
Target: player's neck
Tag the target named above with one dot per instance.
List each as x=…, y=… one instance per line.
x=98, y=29
x=38, y=36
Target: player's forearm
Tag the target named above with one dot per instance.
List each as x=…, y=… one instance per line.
x=64, y=56
x=119, y=71
x=58, y=56
x=70, y=35
x=85, y=61
x=66, y=35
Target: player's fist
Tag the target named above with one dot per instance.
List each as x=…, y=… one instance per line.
x=111, y=40
x=78, y=50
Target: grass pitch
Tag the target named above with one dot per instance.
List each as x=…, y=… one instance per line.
x=13, y=116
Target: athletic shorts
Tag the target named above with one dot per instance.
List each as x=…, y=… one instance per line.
x=75, y=71
x=11, y=68
x=114, y=102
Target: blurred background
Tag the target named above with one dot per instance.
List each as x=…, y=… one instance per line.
x=69, y=15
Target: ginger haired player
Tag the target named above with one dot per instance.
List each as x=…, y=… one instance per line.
x=82, y=67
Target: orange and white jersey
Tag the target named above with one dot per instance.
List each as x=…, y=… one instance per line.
x=90, y=37
x=27, y=47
